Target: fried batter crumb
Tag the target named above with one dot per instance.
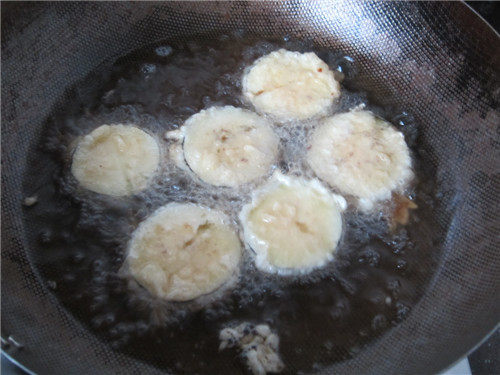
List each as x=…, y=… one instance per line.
x=257, y=344
x=401, y=211
x=30, y=201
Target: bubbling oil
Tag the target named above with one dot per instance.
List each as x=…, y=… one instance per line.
x=376, y=278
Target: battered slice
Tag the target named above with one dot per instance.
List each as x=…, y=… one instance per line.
x=116, y=160
x=293, y=225
x=184, y=251
x=361, y=155
x=290, y=85
x=228, y=146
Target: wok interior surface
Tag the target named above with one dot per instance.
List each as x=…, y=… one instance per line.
x=437, y=62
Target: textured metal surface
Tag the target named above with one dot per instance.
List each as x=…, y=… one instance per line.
x=437, y=61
